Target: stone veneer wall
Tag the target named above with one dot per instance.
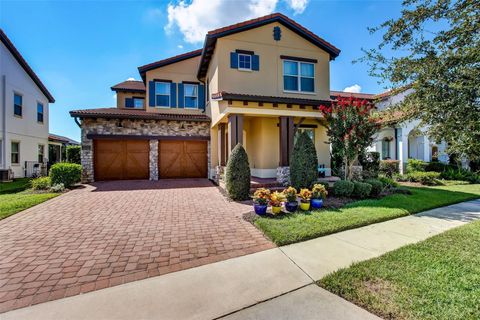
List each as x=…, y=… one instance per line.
x=137, y=127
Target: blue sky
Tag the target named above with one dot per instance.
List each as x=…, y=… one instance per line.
x=81, y=48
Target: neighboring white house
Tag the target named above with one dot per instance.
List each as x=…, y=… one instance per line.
x=407, y=139
x=23, y=113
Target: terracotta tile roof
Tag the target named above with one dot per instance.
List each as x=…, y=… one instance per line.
x=157, y=64
x=392, y=92
x=16, y=54
x=211, y=37
x=117, y=113
x=129, y=86
x=269, y=99
x=334, y=94
x=56, y=137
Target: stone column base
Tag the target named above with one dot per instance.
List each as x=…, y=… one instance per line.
x=283, y=175
x=153, y=162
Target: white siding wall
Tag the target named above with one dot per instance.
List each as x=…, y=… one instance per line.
x=25, y=130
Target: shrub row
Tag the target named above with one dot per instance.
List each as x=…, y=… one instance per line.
x=358, y=189
x=61, y=175
x=426, y=178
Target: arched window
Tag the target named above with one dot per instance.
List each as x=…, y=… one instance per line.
x=386, y=149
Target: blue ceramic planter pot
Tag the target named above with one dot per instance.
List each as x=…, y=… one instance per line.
x=260, y=209
x=316, y=203
x=291, y=206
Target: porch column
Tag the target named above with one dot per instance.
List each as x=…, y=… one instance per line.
x=222, y=144
x=426, y=148
x=402, y=148
x=235, y=130
x=286, y=135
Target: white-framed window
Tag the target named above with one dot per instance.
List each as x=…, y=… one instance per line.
x=41, y=153
x=244, y=62
x=298, y=76
x=138, y=103
x=17, y=104
x=162, y=94
x=385, y=149
x=15, y=152
x=191, y=95
x=40, y=111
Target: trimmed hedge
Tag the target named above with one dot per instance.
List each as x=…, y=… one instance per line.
x=237, y=177
x=41, y=183
x=415, y=165
x=361, y=190
x=426, y=178
x=343, y=188
x=303, y=163
x=66, y=173
x=389, y=167
x=377, y=186
x=73, y=154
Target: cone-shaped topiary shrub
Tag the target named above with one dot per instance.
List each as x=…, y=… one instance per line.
x=303, y=163
x=237, y=177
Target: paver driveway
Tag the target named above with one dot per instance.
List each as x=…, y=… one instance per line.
x=115, y=232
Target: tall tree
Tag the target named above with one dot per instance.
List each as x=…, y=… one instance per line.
x=434, y=47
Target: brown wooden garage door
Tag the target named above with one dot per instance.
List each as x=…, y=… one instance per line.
x=121, y=159
x=182, y=159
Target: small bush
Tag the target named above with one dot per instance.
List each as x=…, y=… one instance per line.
x=361, y=190
x=426, y=178
x=377, y=186
x=343, y=188
x=415, y=165
x=66, y=173
x=73, y=154
x=389, y=167
x=371, y=164
x=460, y=174
x=42, y=183
x=439, y=166
x=237, y=178
x=59, y=187
x=303, y=163
x=388, y=183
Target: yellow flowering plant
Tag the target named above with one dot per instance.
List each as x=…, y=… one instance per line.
x=277, y=198
x=291, y=194
x=305, y=195
x=261, y=196
x=319, y=191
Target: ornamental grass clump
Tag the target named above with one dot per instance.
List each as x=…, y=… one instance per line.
x=261, y=196
x=319, y=191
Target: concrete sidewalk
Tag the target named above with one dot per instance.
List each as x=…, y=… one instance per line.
x=276, y=283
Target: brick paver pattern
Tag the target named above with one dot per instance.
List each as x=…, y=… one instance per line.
x=111, y=233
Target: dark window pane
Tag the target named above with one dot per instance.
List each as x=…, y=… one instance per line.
x=17, y=110
x=290, y=68
x=290, y=83
x=40, y=117
x=163, y=101
x=306, y=70
x=138, y=103
x=190, y=102
x=307, y=84
x=17, y=99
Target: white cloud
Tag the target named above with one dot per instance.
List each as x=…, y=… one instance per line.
x=353, y=89
x=131, y=79
x=114, y=96
x=298, y=6
x=195, y=18
x=180, y=46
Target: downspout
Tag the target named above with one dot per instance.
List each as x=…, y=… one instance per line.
x=4, y=120
x=396, y=143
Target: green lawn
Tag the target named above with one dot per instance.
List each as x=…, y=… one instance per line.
x=15, y=186
x=13, y=203
x=303, y=226
x=435, y=279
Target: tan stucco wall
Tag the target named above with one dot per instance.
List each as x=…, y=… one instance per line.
x=269, y=79
x=185, y=70
x=121, y=96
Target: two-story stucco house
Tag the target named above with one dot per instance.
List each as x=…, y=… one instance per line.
x=256, y=83
x=24, y=108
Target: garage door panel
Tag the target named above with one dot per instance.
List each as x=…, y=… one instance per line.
x=183, y=159
x=121, y=159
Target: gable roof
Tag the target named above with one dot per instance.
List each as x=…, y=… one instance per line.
x=23, y=63
x=117, y=113
x=212, y=36
x=57, y=138
x=129, y=86
x=161, y=63
x=368, y=96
